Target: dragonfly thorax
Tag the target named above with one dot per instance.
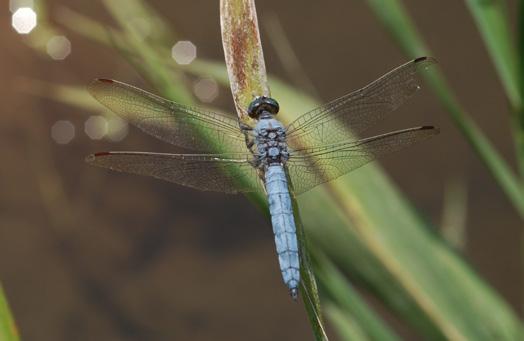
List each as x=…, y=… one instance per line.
x=270, y=139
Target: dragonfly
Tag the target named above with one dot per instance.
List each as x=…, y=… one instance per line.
x=317, y=147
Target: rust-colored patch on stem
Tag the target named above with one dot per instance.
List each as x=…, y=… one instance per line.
x=238, y=46
x=243, y=53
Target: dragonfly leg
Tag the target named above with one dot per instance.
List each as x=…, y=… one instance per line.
x=255, y=162
x=244, y=127
x=247, y=130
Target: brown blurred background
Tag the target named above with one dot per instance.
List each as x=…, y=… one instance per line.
x=86, y=254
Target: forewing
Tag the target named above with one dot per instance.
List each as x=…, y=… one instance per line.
x=228, y=173
x=310, y=167
x=353, y=113
x=171, y=122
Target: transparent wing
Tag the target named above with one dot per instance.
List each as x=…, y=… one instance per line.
x=310, y=167
x=171, y=122
x=229, y=173
x=355, y=112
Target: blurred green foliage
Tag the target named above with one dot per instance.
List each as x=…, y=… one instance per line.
x=8, y=330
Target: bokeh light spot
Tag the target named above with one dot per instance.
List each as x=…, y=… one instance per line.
x=59, y=47
x=184, y=52
x=117, y=129
x=24, y=20
x=96, y=127
x=206, y=89
x=63, y=132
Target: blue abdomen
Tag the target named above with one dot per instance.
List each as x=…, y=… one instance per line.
x=281, y=210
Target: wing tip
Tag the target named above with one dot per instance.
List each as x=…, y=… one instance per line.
x=92, y=157
x=427, y=59
x=436, y=130
x=91, y=87
x=98, y=81
x=101, y=80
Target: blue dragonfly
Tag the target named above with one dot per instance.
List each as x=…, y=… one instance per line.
x=315, y=148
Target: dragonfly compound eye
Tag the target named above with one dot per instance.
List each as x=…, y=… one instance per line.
x=261, y=104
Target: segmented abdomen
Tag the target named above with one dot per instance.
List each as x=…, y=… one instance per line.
x=281, y=211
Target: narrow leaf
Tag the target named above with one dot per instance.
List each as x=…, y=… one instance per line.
x=493, y=23
x=519, y=133
x=308, y=283
x=350, y=308
x=162, y=78
x=8, y=330
x=347, y=327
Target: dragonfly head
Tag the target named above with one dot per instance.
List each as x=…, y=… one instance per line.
x=261, y=105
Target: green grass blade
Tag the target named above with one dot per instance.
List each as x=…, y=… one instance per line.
x=8, y=330
x=395, y=19
x=308, y=285
x=153, y=67
x=520, y=45
x=498, y=167
x=493, y=23
x=348, y=304
x=70, y=95
x=346, y=327
x=83, y=25
x=519, y=132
